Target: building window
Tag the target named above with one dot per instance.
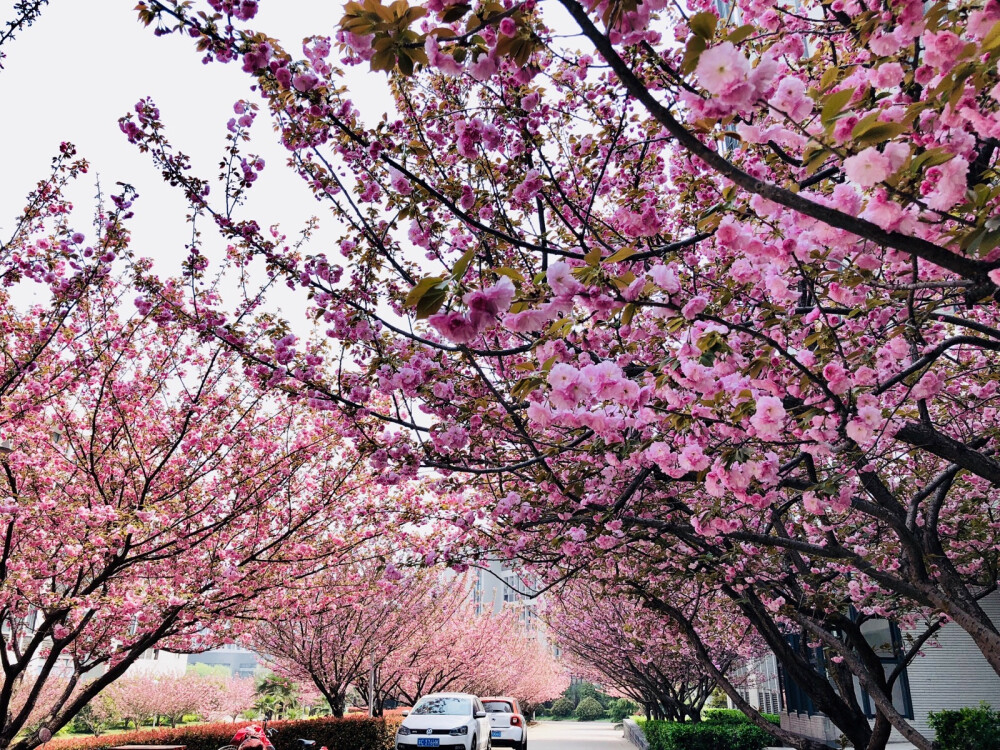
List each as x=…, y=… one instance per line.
x=796, y=699
x=886, y=641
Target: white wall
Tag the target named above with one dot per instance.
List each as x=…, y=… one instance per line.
x=954, y=675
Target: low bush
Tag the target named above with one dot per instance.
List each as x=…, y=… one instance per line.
x=670, y=735
x=967, y=728
x=732, y=716
x=349, y=733
x=622, y=708
x=590, y=709
x=563, y=708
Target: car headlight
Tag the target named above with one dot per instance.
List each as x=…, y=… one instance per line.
x=458, y=731
x=404, y=731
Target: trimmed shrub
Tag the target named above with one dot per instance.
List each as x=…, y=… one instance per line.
x=732, y=716
x=669, y=735
x=622, y=708
x=349, y=733
x=967, y=728
x=562, y=708
x=589, y=709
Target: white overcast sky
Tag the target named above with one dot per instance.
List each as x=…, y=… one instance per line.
x=84, y=64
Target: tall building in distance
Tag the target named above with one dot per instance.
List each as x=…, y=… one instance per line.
x=498, y=585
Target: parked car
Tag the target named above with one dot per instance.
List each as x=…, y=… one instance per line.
x=508, y=726
x=456, y=721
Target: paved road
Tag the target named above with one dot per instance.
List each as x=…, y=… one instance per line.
x=572, y=735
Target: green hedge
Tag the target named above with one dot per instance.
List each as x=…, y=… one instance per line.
x=670, y=735
x=349, y=733
x=967, y=728
x=732, y=716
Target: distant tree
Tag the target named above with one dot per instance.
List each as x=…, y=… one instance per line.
x=623, y=708
x=718, y=699
x=589, y=709
x=232, y=696
x=563, y=707
x=134, y=698
x=219, y=671
x=276, y=695
x=98, y=716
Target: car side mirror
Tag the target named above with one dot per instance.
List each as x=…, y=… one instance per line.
x=405, y=714
x=480, y=714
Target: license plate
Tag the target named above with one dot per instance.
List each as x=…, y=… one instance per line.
x=495, y=734
x=428, y=742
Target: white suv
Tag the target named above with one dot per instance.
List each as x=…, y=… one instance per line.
x=456, y=721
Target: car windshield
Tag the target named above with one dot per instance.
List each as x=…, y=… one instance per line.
x=443, y=707
x=498, y=707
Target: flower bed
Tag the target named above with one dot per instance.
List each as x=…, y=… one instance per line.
x=349, y=733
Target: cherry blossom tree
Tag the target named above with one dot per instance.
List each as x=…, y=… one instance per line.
x=134, y=698
x=135, y=456
x=719, y=284
x=232, y=696
x=405, y=634
x=178, y=695
x=348, y=626
x=486, y=653
x=624, y=645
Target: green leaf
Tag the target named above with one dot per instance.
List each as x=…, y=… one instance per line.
x=813, y=158
x=703, y=24
x=431, y=301
x=455, y=12
x=623, y=254
x=932, y=157
x=510, y=273
x=981, y=242
x=992, y=39
x=628, y=313
x=741, y=34
x=405, y=63
x=384, y=60
x=695, y=46
x=525, y=386
x=593, y=257
x=422, y=287
x=877, y=132
x=833, y=105
x=830, y=76
x=463, y=263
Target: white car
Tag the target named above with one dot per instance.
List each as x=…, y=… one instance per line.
x=508, y=727
x=456, y=721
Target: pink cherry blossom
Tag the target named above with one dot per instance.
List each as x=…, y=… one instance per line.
x=867, y=168
x=722, y=69
x=946, y=185
x=454, y=326
x=768, y=419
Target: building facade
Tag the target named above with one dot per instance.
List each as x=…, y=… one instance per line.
x=241, y=662
x=950, y=673
x=498, y=586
